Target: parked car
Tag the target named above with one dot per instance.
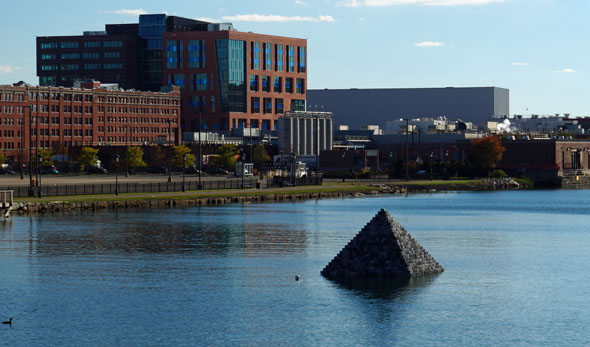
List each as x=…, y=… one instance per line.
x=192, y=170
x=6, y=171
x=157, y=170
x=49, y=170
x=96, y=170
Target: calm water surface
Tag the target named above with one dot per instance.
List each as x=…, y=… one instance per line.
x=517, y=273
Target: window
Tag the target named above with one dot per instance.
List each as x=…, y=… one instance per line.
x=201, y=81
x=194, y=54
x=266, y=83
x=290, y=59
x=48, y=45
x=297, y=105
x=68, y=44
x=213, y=104
x=48, y=67
x=255, y=48
x=194, y=102
x=92, y=44
x=288, y=85
x=112, y=55
x=116, y=66
x=279, y=106
x=69, y=56
x=172, y=48
x=301, y=59
x=90, y=55
x=253, y=83
x=69, y=67
x=267, y=105
x=179, y=80
x=91, y=66
x=47, y=56
x=279, y=57
x=299, y=86
x=277, y=84
x=255, y=105
x=113, y=44
x=267, y=57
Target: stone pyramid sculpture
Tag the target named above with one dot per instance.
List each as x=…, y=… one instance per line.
x=383, y=249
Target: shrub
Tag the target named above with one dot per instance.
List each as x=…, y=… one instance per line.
x=498, y=174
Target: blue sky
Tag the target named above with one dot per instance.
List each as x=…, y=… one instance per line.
x=537, y=48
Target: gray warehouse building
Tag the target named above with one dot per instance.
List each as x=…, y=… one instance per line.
x=356, y=107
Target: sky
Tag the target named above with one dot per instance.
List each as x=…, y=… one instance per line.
x=536, y=48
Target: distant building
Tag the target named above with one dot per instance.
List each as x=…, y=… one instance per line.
x=59, y=118
x=355, y=107
x=305, y=133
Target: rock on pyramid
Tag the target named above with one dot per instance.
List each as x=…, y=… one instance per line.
x=383, y=249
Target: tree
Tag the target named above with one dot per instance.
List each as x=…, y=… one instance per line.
x=226, y=157
x=135, y=157
x=3, y=158
x=88, y=157
x=178, y=156
x=256, y=155
x=153, y=156
x=47, y=154
x=485, y=152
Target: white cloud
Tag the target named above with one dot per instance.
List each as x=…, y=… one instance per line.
x=135, y=12
x=381, y=3
x=429, y=44
x=4, y=69
x=520, y=64
x=210, y=20
x=362, y=19
x=276, y=18
x=567, y=70
x=299, y=2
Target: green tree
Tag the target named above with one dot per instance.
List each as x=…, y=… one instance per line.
x=226, y=157
x=485, y=152
x=3, y=158
x=135, y=157
x=88, y=157
x=47, y=154
x=178, y=156
x=256, y=155
x=153, y=156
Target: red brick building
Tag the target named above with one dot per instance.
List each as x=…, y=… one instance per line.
x=56, y=118
x=235, y=79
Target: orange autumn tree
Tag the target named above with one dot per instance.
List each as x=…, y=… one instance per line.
x=486, y=152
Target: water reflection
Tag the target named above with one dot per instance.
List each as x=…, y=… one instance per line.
x=383, y=289
x=149, y=233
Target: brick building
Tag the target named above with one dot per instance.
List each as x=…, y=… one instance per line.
x=56, y=118
x=235, y=79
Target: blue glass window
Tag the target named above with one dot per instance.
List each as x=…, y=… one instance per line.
x=255, y=105
x=68, y=44
x=194, y=54
x=291, y=59
x=301, y=59
x=288, y=85
x=256, y=55
x=278, y=106
x=171, y=54
x=267, y=105
x=299, y=86
x=277, y=84
x=48, y=45
x=267, y=57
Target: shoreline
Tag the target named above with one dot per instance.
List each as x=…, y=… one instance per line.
x=219, y=197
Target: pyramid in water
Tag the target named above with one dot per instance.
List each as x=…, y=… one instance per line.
x=383, y=249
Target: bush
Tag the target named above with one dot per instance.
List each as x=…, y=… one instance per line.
x=498, y=174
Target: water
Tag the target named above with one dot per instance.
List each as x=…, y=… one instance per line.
x=516, y=274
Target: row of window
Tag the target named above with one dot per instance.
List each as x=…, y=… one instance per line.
x=86, y=44
x=263, y=83
x=199, y=102
x=285, y=57
x=74, y=67
x=77, y=56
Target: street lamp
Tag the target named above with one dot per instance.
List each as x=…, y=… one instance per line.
x=40, y=163
x=407, y=151
x=169, y=150
x=293, y=157
x=431, y=159
x=117, y=174
x=200, y=156
x=242, y=155
x=183, y=169
x=446, y=163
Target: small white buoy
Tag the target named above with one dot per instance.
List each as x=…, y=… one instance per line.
x=297, y=278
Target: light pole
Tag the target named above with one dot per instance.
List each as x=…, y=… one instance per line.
x=431, y=159
x=117, y=174
x=407, y=151
x=293, y=156
x=127, y=152
x=40, y=163
x=200, y=156
x=169, y=150
x=183, y=169
x=31, y=193
x=242, y=155
x=446, y=163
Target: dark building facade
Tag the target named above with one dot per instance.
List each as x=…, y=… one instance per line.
x=356, y=107
x=233, y=79
x=57, y=118
x=108, y=56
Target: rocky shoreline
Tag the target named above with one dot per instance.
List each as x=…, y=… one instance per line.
x=379, y=189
